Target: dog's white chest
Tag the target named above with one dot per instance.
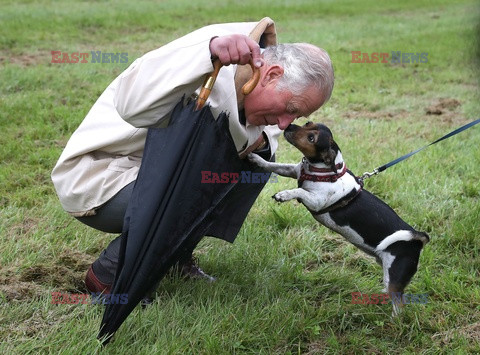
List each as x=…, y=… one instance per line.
x=325, y=194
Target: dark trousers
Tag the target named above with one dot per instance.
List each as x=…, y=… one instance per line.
x=109, y=218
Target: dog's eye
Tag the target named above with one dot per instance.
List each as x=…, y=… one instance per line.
x=311, y=138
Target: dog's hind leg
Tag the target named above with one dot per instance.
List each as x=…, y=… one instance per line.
x=400, y=253
x=390, y=281
x=397, y=275
x=396, y=296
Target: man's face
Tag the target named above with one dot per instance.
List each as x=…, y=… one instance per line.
x=265, y=105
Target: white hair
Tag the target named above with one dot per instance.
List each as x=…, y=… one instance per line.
x=304, y=65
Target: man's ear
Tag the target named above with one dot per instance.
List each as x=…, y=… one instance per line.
x=272, y=74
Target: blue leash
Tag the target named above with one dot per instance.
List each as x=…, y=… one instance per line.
x=398, y=160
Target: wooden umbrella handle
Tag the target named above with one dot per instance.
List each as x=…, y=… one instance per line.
x=250, y=85
x=210, y=80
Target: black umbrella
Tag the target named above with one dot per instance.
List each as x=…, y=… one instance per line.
x=171, y=209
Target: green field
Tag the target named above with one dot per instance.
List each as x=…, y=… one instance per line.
x=285, y=285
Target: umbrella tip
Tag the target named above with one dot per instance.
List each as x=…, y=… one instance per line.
x=104, y=336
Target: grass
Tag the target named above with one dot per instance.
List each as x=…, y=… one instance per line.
x=285, y=285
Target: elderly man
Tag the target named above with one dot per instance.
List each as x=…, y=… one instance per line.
x=95, y=174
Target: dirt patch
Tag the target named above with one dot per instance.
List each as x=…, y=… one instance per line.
x=442, y=106
x=24, y=59
x=443, y=111
x=388, y=116
x=470, y=331
x=58, y=276
x=317, y=347
x=65, y=274
x=36, y=325
x=26, y=227
x=14, y=289
x=323, y=345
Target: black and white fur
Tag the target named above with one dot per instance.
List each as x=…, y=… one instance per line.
x=359, y=216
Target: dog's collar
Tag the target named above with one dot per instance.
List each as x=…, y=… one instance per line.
x=311, y=173
x=327, y=175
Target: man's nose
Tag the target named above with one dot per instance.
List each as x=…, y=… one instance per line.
x=284, y=120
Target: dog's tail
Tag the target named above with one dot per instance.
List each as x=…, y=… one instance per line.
x=421, y=236
x=403, y=235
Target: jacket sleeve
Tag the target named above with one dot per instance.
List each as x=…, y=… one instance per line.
x=149, y=89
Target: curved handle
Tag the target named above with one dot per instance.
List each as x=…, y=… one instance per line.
x=210, y=80
x=250, y=85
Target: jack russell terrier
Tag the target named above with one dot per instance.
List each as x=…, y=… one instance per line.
x=336, y=199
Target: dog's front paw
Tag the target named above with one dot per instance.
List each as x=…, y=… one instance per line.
x=256, y=159
x=283, y=196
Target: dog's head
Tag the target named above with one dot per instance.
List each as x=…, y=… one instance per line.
x=315, y=141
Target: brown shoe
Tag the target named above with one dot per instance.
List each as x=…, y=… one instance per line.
x=190, y=269
x=94, y=285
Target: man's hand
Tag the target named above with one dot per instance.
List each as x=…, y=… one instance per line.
x=236, y=49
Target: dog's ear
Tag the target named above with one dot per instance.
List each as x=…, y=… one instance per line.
x=331, y=152
x=326, y=147
x=328, y=157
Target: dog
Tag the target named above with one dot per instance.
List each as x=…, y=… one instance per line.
x=336, y=198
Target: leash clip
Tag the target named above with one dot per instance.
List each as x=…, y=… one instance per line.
x=367, y=175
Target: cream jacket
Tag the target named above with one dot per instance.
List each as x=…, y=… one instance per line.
x=104, y=154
